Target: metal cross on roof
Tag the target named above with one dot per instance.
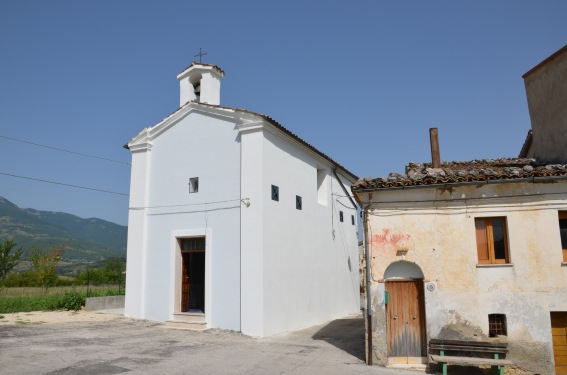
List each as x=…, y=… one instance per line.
x=200, y=54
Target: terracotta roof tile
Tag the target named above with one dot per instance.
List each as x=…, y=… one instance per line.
x=468, y=171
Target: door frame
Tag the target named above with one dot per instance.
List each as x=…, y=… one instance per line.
x=408, y=360
x=175, y=270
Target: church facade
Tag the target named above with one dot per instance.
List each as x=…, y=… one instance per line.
x=236, y=222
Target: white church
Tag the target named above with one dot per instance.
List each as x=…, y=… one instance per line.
x=235, y=222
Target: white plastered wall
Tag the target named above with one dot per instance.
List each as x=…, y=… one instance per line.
x=306, y=253
x=135, y=266
x=206, y=147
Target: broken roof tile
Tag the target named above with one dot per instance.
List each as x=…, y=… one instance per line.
x=463, y=171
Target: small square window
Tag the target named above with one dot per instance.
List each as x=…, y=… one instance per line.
x=193, y=184
x=275, y=193
x=352, y=219
x=497, y=325
x=341, y=218
x=298, y=202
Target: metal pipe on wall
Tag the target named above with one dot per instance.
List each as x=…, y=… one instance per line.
x=368, y=282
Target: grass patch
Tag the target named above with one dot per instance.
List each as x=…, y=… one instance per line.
x=10, y=292
x=67, y=301
x=27, y=322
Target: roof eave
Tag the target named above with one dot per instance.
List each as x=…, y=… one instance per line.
x=445, y=185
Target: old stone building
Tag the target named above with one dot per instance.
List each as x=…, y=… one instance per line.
x=476, y=250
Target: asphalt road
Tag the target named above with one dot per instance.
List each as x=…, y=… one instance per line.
x=139, y=347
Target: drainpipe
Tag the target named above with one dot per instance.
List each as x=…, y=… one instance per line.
x=368, y=281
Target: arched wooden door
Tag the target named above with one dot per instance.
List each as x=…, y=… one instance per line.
x=405, y=317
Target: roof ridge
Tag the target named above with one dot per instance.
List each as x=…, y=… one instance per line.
x=478, y=170
x=272, y=122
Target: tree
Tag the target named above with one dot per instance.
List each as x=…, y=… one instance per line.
x=44, y=263
x=8, y=259
x=113, y=268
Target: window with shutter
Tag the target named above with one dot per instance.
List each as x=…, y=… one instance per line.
x=492, y=240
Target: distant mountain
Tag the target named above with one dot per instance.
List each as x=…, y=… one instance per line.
x=85, y=240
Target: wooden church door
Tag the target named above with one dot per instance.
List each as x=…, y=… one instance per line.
x=193, y=275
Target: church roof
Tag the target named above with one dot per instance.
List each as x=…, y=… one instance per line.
x=271, y=121
x=456, y=172
x=290, y=133
x=194, y=63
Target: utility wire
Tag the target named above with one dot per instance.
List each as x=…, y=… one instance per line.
x=63, y=150
x=243, y=200
x=63, y=184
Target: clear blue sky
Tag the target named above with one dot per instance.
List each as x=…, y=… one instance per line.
x=362, y=81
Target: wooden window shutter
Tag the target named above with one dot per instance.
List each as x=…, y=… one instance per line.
x=563, y=232
x=482, y=241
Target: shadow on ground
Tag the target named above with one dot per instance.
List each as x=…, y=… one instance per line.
x=345, y=334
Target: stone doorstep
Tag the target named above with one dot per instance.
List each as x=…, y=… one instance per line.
x=407, y=366
x=180, y=324
x=408, y=363
x=191, y=321
x=189, y=317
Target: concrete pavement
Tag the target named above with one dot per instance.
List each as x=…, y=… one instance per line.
x=139, y=347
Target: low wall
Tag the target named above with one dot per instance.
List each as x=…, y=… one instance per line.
x=104, y=303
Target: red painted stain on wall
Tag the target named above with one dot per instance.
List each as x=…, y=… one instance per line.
x=390, y=241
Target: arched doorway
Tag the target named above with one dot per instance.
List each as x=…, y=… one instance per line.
x=405, y=313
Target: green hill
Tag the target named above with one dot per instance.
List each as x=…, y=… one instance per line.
x=85, y=240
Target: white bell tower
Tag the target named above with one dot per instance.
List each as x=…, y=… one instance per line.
x=201, y=83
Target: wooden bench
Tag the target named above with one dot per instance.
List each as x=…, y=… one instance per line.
x=467, y=351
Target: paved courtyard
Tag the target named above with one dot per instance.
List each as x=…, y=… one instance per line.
x=121, y=345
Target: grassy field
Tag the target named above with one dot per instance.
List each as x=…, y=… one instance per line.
x=57, y=298
x=38, y=291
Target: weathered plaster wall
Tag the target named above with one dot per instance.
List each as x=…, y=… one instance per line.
x=546, y=89
x=437, y=229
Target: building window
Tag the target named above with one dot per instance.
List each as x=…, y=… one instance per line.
x=497, y=325
x=491, y=240
x=193, y=184
x=298, y=204
x=341, y=216
x=275, y=193
x=563, y=232
x=352, y=219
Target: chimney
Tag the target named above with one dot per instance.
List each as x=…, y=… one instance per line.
x=200, y=83
x=434, y=140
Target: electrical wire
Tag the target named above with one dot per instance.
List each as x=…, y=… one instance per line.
x=344, y=205
x=63, y=150
x=195, y=204
x=63, y=184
